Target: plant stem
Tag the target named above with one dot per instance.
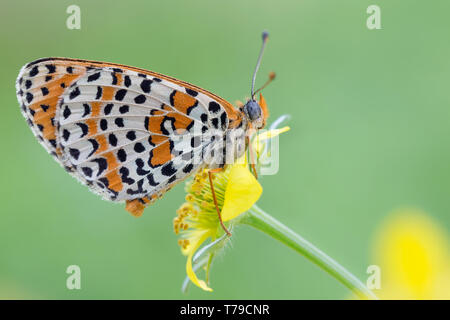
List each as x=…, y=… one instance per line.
x=262, y=221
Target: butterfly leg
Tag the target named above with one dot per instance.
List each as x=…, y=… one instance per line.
x=252, y=159
x=210, y=175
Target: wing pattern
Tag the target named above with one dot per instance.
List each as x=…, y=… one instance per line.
x=128, y=133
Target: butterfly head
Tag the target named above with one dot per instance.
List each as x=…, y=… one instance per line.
x=256, y=112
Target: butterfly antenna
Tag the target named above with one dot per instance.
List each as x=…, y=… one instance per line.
x=265, y=36
x=272, y=76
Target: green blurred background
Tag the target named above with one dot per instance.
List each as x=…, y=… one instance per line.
x=370, y=132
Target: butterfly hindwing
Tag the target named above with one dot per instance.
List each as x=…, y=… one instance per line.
x=125, y=132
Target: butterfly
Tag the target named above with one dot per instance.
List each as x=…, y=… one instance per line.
x=130, y=134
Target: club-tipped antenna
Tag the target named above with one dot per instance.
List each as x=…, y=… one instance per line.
x=265, y=36
x=272, y=76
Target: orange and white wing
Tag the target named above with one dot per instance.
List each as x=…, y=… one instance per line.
x=120, y=130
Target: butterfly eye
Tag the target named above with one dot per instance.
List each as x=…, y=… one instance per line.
x=252, y=110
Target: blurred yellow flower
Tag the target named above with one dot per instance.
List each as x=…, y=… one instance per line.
x=413, y=254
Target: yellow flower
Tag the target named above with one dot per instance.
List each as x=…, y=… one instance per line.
x=236, y=191
x=413, y=254
x=242, y=191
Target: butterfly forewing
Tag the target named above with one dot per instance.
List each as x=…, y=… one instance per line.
x=127, y=133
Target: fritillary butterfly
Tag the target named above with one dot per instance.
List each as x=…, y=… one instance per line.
x=127, y=133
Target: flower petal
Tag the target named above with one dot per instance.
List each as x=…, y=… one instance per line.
x=190, y=271
x=242, y=191
x=272, y=133
x=260, y=140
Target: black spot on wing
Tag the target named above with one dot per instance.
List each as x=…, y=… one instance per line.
x=140, y=99
x=140, y=167
x=114, y=79
x=75, y=153
x=108, y=108
x=66, y=134
x=87, y=109
x=112, y=139
x=145, y=85
x=215, y=123
x=191, y=92
x=124, y=173
x=119, y=122
x=223, y=120
x=122, y=155
x=102, y=165
x=213, y=107
x=29, y=97
x=127, y=81
x=93, y=77
x=196, y=141
x=87, y=171
x=151, y=180
x=74, y=93
x=52, y=142
x=168, y=169
x=139, y=189
x=124, y=109
x=171, y=98
x=204, y=118
x=139, y=147
x=66, y=112
x=84, y=128
x=188, y=168
x=103, y=124
x=51, y=68
x=95, y=146
x=34, y=71
x=99, y=93
x=131, y=135
x=120, y=94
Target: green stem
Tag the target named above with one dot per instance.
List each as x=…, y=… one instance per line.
x=262, y=221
